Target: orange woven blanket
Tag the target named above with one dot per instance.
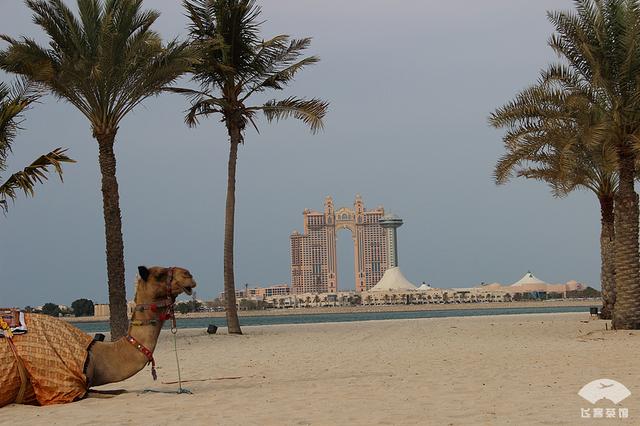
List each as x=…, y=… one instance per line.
x=53, y=353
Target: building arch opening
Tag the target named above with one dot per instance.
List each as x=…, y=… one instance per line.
x=346, y=260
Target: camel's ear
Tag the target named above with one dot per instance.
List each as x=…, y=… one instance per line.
x=144, y=272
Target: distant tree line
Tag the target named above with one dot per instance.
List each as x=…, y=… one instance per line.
x=190, y=306
x=588, y=292
x=83, y=308
x=253, y=305
x=79, y=308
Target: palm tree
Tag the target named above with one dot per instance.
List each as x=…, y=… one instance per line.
x=14, y=101
x=104, y=62
x=234, y=65
x=356, y=300
x=557, y=136
x=600, y=42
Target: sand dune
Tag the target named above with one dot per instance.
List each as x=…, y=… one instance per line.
x=524, y=369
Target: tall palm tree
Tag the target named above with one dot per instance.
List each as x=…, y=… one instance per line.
x=600, y=42
x=558, y=136
x=235, y=63
x=104, y=62
x=14, y=101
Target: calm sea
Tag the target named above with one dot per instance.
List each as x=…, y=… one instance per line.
x=103, y=326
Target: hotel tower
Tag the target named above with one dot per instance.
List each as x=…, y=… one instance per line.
x=313, y=253
x=391, y=223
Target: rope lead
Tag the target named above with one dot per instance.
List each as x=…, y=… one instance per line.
x=175, y=347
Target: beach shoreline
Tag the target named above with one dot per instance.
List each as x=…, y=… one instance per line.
x=373, y=309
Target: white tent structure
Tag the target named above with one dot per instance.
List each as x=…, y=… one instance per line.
x=528, y=279
x=393, y=280
x=529, y=284
x=425, y=287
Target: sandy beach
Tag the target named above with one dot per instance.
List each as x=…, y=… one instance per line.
x=520, y=369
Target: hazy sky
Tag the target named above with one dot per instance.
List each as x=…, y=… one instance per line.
x=411, y=84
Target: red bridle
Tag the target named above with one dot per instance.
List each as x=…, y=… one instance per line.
x=169, y=313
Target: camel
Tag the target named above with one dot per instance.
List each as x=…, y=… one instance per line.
x=97, y=363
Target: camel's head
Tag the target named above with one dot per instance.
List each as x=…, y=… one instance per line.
x=152, y=285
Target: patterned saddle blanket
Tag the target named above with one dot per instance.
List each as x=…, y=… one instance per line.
x=53, y=353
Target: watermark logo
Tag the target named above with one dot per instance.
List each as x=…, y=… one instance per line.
x=607, y=389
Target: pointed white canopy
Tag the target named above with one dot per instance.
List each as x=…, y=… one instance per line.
x=393, y=280
x=528, y=279
x=425, y=287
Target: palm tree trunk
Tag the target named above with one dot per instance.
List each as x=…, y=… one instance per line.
x=113, y=236
x=627, y=268
x=233, y=323
x=607, y=255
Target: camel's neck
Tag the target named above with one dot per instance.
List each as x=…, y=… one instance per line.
x=117, y=361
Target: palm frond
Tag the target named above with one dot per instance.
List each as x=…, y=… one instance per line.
x=311, y=112
x=35, y=173
x=14, y=101
x=278, y=79
x=600, y=43
x=205, y=106
x=557, y=133
x=275, y=64
x=231, y=30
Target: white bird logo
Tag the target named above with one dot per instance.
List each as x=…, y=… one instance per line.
x=604, y=389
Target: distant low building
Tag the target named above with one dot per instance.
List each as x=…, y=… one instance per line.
x=529, y=284
x=429, y=295
x=395, y=289
x=310, y=300
x=102, y=309
x=261, y=293
x=274, y=290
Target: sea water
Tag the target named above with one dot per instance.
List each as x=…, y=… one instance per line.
x=103, y=326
